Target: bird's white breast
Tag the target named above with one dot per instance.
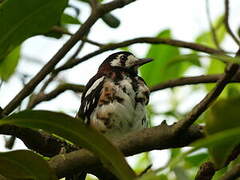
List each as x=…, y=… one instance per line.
x=122, y=114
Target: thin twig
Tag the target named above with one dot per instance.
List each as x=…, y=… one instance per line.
x=54, y=93
x=172, y=42
x=30, y=86
x=226, y=22
x=188, y=81
x=213, y=32
x=183, y=124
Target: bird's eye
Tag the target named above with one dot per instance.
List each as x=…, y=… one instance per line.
x=123, y=58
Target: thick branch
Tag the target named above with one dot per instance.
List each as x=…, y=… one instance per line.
x=160, y=137
x=183, y=124
x=38, y=141
x=30, y=86
x=178, y=43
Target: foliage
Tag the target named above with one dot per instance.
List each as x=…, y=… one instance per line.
x=21, y=20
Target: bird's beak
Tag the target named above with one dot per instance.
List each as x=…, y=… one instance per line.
x=142, y=61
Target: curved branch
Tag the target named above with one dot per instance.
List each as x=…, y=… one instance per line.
x=150, y=40
x=226, y=22
x=54, y=93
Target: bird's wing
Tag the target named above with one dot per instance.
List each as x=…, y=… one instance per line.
x=90, y=97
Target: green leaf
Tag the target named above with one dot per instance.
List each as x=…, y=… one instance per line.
x=229, y=135
x=24, y=164
x=111, y=20
x=180, y=173
x=67, y=19
x=9, y=64
x=196, y=159
x=20, y=20
x=192, y=59
x=152, y=176
x=220, y=30
x=77, y=132
x=157, y=71
x=223, y=115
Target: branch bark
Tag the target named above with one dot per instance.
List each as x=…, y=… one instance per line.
x=183, y=124
x=150, y=40
x=54, y=93
x=160, y=137
x=226, y=22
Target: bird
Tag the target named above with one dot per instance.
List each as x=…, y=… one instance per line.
x=115, y=98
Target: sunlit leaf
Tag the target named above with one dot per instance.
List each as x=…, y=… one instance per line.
x=9, y=64
x=24, y=164
x=75, y=131
x=20, y=20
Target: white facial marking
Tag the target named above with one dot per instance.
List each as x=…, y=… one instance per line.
x=95, y=84
x=130, y=61
x=116, y=62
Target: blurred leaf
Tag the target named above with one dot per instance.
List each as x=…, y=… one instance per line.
x=78, y=133
x=206, y=37
x=223, y=115
x=196, y=159
x=67, y=19
x=217, y=67
x=20, y=20
x=219, y=174
x=111, y=20
x=142, y=162
x=9, y=64
x=157, y=71
x=152, y=176
x=193, y=59
x=24, y=164
x=180, y=173
x=216, y=139
x=175, y=152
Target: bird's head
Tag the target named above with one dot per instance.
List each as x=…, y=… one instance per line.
x=123, y=61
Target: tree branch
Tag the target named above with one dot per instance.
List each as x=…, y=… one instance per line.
x=159, y=137
x=36, y=99
x=30, y=86
x=206, y=171
x=183, y=124
x=226, y=22
x=38, y=141
x=232, y=174
x=54, y=93
x=112, y=46
x=213, y=32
